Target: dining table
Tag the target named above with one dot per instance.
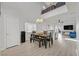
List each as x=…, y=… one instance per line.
x=42, y=37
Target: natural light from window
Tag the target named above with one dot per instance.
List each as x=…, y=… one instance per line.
x=29, y=27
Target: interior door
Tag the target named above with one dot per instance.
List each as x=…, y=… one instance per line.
x=13, y=34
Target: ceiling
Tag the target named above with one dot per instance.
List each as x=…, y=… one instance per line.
x=26, y=11
x=30, y=11
x=50, y=3
x=73, y=10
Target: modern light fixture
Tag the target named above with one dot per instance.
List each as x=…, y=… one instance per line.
x=44, y=7
x=39, y=20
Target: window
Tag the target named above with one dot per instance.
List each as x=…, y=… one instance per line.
x=29, y=27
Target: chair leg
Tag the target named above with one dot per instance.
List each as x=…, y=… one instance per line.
x=39, y=43
x=45, y=43
x=33, y=40
x=49, y=43
x=51, y=40
x=30, y=40
x=42, y=42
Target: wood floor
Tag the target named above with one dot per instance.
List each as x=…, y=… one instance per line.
x=59, y=48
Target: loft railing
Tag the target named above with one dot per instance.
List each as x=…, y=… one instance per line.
x=59, y=4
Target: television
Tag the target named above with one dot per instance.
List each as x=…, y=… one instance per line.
x=68, y=27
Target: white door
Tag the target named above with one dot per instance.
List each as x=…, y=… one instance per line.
x=13, y=34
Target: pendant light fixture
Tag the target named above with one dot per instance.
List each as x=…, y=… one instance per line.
x=39, y=20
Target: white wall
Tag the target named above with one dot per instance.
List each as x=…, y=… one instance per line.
x=1, y=33
x=1, y=30
x=29, y=27
x=6, y=10
x=68, y=18
x=66, y=21
x=41, y=27
x=30, y=12
x=77, y=27
x=25, y=12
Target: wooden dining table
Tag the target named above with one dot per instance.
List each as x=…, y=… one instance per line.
x=42, y=37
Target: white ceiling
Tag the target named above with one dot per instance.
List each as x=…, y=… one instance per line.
x=30, y=11
x=47, y=4
x=27, y=11
x=50, y=3
x=73, y=11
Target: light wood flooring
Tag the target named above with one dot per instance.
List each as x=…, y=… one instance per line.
x=59, y=48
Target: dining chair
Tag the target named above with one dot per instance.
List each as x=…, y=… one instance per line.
x=32, y=37
x=49, y=39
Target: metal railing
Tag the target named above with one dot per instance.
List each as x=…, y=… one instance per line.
x=52, y=7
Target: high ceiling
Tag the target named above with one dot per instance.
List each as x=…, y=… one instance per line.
x=27, y=11
x=73, y=9
x=50, y=3
x=30, y=11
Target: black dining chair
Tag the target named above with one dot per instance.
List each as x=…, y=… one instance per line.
x=32, y=37
x=36, y=38
x=49, y=39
